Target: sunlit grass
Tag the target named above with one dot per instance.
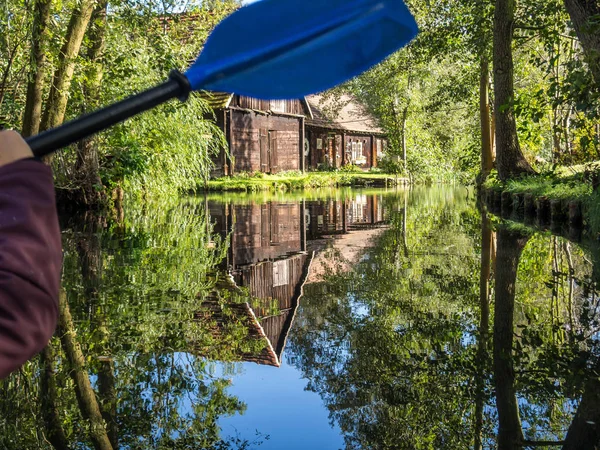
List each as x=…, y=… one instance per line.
x=567, y=183
x=293, y=180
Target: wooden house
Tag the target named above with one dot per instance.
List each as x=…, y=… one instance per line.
x=326, y=218
x=263, y=135
x=340, y=231
x=266, y=256
x=341, y=132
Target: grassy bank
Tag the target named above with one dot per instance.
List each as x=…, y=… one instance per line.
x=290, y=181
x=575, y=183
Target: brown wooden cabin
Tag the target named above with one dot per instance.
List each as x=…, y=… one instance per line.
x=341, y=132
x=266, y=255
x=340, y=232
x=263, y=135
x=332, y=217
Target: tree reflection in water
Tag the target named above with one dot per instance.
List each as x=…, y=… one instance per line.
x=421, y=325
x=121, y=372
x=398, y=347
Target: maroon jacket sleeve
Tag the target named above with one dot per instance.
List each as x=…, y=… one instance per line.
x=30, y=262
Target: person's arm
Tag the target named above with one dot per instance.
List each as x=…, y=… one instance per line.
x=30, y=254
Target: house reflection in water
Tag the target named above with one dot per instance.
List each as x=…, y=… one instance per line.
x=268, y=256
x=332, y=216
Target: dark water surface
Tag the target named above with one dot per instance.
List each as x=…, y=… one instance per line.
x=341, y=319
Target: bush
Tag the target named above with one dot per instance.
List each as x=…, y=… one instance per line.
x=350, y=168
x=390, y=165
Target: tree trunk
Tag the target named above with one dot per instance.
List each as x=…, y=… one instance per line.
x=584, y=432
x=35, y=86
x=493, y=134
x=404, y=120
x=86, y=166
x=86, y=397
x=484, y=327
x=107, y=394
x=510, y=246
x=90, y=261
x=487, y=157
x=61, y=82
x=584, y=16
x=54, y=431
x=510, y=161
x=4, y=84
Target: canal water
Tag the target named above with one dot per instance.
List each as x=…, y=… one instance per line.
x=340, y=319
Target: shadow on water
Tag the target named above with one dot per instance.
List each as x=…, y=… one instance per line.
x=416, y=322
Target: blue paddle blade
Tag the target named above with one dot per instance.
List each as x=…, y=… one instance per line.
x=283, y=49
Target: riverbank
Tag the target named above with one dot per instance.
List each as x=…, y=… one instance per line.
x=290, y=181
x=567, y=196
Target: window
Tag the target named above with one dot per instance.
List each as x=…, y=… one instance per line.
x=357, y=153
x=359, y=205
x=277, y=106
x=280, y=273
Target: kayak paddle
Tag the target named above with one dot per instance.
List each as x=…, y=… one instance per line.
x=271, y=49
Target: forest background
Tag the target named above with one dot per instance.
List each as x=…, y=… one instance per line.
x=435, y=98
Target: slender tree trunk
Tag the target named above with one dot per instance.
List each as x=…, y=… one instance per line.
x=555, y=137
x=86, y=397
x=487, y=157
x=493, y=133
x=584, y=16
x=566, y=129
x=4, y=84
x=510, y=246
x=86, y=166
x=510, y=161
x=484, y=326
x=61, y=82
x=54, y=431
x=35, y=86
x=90, y=261
x=403, y=122
x=584, y=432
x=107, y=393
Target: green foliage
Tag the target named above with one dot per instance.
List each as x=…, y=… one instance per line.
x=384, y=340
x=160, y=153
x=350, y=168
x=136, y=291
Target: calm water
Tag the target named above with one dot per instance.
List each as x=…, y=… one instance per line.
x=335, y=320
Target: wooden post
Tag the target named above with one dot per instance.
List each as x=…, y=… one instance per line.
x=518, y=204
x=230, y=133
x=227, y=131
x=506, y=203
x=373, y=151
x=543, y=210
x=302, y=156
x=302, y=226
x=529, y=205
x=344, y=162
x=575, y=215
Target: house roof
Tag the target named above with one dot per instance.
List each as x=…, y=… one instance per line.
x=222, y=100
x=342, y=253
x=216, y=100
x=343, y=113
x=270, y=333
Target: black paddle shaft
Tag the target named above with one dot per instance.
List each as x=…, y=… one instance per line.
x=177, y=86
